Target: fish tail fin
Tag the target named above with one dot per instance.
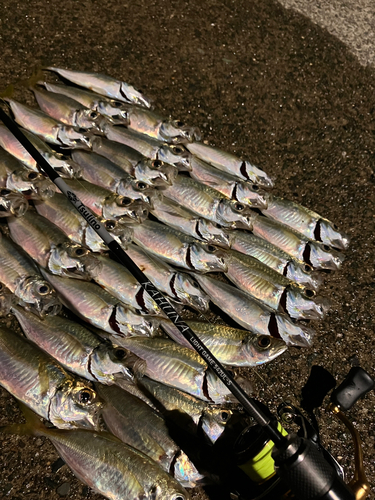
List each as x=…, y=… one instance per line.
x=36, y=76
x=32, y=427
x=8, y=92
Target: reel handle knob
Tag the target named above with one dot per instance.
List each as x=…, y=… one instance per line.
x=356, y=384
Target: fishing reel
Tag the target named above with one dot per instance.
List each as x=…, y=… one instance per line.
x=302, y=460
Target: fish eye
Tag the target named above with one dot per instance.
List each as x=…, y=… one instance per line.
x=44, y=289
x=141, y=185
x=224, y=416
x=307, y=268
x=326, y=248
x=32, y=176
x=120, y=354
x=116, y=104
x=78, y=252
x=178, y=150
x=110, y=224
x=178, y=497
x=125, y=201
x=211, y=248
x=255, y=187
x=86, y=396
x=179, y=123
x=156, y=164
x=239, y=207
x=309, y=293
x=5, y=192
x=335, y=227
x=93, y=114
x=264, y=342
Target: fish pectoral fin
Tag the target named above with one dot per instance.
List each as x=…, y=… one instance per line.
x=140, y=368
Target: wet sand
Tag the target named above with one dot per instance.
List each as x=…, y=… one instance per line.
x=262, y=82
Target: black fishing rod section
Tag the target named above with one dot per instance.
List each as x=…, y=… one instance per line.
x=297, y=460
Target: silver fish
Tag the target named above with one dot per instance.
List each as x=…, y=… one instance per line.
x=99, y=308
x=273, y=289
x=172, y=364
x=178, y=286
x=318, y=255
x=305, y=221
x=152, y=172
x=113, y=110
x=19, y=273
x=74, y=347
x=15, y=177
x=209, y=203
x=100, y=171
x=12, y=203
x=277, y=259
x=47, y=128
x=60, y=211
x=231, y=346
x=178, y=217
x=42, y=384
x=51, y=248
x=178, y=249
x=124, y=471
x=141, y=427
x=63, y=165
x=144, y=121
x=153, y=149
x=211, y=418
x=230, y=163
x=254, y=316
x=228, y=185
x=69, y=111
x=106, y=204
x=105, y=85
x=119, y=282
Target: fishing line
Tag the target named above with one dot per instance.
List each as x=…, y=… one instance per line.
x=248, y=404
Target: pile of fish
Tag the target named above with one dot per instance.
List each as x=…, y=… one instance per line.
x=203, y=225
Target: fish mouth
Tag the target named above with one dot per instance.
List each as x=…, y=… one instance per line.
x=15, y=204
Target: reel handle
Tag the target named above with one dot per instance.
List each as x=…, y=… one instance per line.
x=354, y=386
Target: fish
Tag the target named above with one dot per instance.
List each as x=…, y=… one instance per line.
x=180, y=287
x=138, y=425
x=112, y=109
x=273, y=289
x=209, y=203
x=194, y=413
x=253, y=315
x=106, y=204
x=231, y=346
x=231, y=187
x=62, y=164
x=181, y=219
x=102, y=310
x=119, y=282
x=60, y=211
x=51, y=248
x=314, y=253
x=178, y=249
x=48, y=129
x=20, y=274
x=153, y=172
x=166, y=361
x=275, y=258
x=305, y=221
x=103, y=173
x=74, y=346
x=15, y=177
x=104, y=85
x=174, y=154
x=42, y=384
x=67, y=110
x=124, y=471
x=230, y=163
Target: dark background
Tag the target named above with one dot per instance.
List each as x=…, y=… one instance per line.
x=259, y=81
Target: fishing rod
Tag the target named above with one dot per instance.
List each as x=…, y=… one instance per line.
x=297, y=460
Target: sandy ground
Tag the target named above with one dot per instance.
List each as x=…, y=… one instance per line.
x=260, y=81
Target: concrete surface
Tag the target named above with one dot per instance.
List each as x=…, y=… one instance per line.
x=261, y=81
